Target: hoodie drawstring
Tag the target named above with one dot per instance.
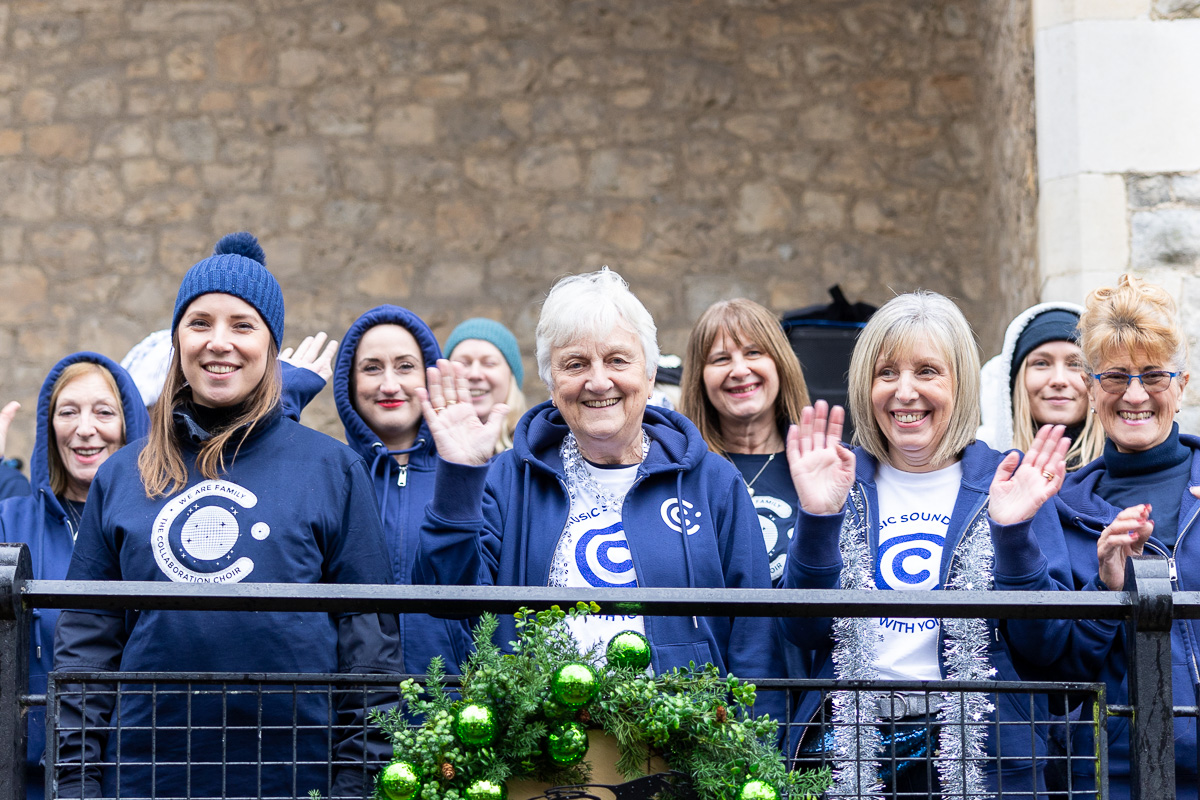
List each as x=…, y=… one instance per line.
x=683, y=525
x=36, y=616
x=525, y=534
x=387, y=456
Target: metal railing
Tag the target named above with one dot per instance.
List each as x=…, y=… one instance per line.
x=1147, y=608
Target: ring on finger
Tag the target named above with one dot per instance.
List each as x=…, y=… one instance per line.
x=439, y=409
x=451, y=402
x=1048, y=475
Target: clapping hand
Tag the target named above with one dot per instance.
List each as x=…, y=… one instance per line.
x=1125, y=536
x=822, y=468
x=1022, y=485
x=6, y=417
x=459, y=435
x=309, y=355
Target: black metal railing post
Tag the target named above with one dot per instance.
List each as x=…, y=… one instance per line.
x=1148, y=632
x=15, y=570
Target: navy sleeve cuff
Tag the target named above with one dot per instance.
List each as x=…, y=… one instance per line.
x=1018, y=554
x=816, y=542
x=458, y=492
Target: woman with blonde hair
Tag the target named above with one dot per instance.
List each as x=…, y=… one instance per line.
x=224, y=489
x=1039, y=378
x=743, y=387
x=919, y=505
x=1137, y=497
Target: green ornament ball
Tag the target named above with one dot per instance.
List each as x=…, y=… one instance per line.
x=567, y=743
x=556, y=710
x=574, y=684
x=629, y=649
x=757, y=790
x=475, y=724
x=486, y=790
x=400, y=781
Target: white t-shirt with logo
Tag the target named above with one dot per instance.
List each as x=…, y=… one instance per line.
x=593, y=551
x=914, y=517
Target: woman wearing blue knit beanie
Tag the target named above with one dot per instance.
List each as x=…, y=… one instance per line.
x=225, y=489
x=494, y=371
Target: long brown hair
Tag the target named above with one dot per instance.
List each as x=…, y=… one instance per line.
x=161, y=461
x=741, y=320
x=58, y=472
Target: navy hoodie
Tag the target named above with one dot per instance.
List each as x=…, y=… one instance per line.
x=500, y=526
x=1028, y=556
x=293, y=506
x=1102, y=654
x=402, y=492
x=40, y=521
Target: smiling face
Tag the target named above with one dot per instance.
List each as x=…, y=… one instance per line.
x=1056, y=382
x=488, y=375
x=912, y=398
x=601, y=388
x=88, y=428
x=1136, y=420
x=223, y=349
x=741, y=381
x=388, y=368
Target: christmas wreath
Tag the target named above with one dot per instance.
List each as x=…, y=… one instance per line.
x=525, y=715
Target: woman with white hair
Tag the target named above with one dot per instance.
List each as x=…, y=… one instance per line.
x=920, y=506
x=598, y=490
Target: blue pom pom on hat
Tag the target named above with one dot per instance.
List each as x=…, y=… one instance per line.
x=237, y=267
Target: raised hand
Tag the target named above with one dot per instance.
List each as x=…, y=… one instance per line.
x=309, y=355
x=822, y=468
x=459, y=435
x=1125, y=536
x=1018, y=491
x=6, y=417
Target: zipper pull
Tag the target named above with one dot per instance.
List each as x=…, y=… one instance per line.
x=1171, y=569
x=402, y=475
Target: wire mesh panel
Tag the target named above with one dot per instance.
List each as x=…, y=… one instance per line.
x=172, y=735
x=951, y=739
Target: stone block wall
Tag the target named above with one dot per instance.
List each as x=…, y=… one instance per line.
x=457, y=158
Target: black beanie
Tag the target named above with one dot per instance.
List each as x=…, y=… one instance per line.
x=1053, y=325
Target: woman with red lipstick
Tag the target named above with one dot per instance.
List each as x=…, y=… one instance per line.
x=379, y=368
x=743, y=387
x=1138, y=496
x=224, y=489
x=919, y=506
x=87, y=409
x=1039, y=379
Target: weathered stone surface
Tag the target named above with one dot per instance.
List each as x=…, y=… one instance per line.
x=1165, y=237
x=457, y=157
x=555, y=167
x=1176, y=9
x=24, y=289
x=407, y=125
x=1150, y=190
x=763, y=206
x=1186, y=188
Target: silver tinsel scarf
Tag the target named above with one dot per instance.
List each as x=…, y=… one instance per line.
x=962, y=737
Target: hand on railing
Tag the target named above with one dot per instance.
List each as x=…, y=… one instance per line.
x=446, y=403
x=822, y=468
x=1019, y=490
x=1125, y=536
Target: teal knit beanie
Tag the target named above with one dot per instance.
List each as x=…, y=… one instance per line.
x=494, y=333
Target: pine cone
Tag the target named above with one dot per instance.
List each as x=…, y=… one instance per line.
x=447, y=770
x=722, y=714
x=583, y=716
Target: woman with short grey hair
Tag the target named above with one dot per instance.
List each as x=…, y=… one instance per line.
x=919, y=505
x=599, y=490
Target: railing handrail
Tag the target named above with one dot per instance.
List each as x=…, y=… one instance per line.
x=471, y=600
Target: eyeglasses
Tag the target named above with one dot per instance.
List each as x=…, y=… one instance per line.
x=1153, y=382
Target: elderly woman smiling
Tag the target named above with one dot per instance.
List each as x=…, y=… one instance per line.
x=598, y=490
x=919, y=506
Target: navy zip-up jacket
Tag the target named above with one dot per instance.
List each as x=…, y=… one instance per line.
x=293, y=506
x=40, y=521
x=688, y=519
x=1102, y=654
x=1028, y=556
x=402, y=492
